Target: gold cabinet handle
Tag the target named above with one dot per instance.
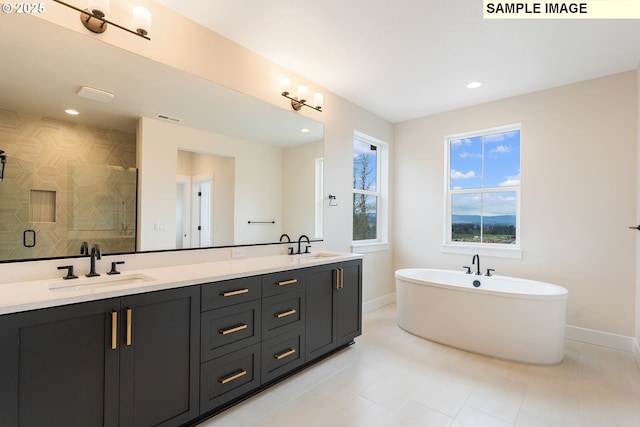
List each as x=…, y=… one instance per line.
x=234, y=329
x=285, y=354
x=234, y=293
x=232, y=377
x=287, y=282
x=129, y=320
x=339, y=278
x=114, y=330
x=285, y=313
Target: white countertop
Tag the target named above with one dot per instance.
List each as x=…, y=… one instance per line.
x=23, y=296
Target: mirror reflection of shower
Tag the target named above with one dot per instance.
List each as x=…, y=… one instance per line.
x=3, y=161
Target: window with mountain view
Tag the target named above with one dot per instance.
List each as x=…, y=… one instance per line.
x=366, y=187
x=483, y=195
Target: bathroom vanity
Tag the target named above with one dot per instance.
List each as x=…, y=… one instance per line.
x=169, y=346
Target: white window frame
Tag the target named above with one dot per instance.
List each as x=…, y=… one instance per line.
x=469, y=248
x=319, y=198
x=381, y=243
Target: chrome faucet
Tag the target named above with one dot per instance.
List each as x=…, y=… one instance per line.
x=96, y=253
x=473, y=262
x=306, y=249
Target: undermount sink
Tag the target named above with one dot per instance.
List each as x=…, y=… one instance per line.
x=316, y=256
x=98, y=282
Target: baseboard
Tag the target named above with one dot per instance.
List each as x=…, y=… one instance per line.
x=375, y=304
x=603, y=339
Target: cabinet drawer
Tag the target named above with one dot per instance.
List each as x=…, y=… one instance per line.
x=282, y=313
x=282, y=354
x=228, y=292
x=228, y=377
x=227, y=329
x=281, y=282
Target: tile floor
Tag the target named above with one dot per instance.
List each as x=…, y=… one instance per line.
x=392, y=378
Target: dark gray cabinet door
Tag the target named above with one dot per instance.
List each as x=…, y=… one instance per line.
x=334, y=306
x=320, y=327
x=58, y=368
x=159, y=357
x=348, y=308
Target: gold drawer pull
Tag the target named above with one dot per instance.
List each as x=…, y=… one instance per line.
x=233, y=377
x=114, y=330
x=234, y=293
x=129, y=319
x=285, y=354
x=287, y=282
x=285, y=313
x=234, y=329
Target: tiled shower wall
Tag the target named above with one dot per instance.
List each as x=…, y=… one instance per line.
x=70, y=162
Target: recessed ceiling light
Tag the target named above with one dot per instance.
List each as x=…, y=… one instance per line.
x=305, y=130
x=474, y=85
x=71, y=112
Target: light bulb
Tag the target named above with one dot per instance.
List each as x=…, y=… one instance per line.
x=141, y=20
x=303, y=92
x=318, y=100
x=285, y=85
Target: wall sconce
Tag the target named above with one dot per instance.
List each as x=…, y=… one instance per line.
x=93, y=18
x=299, y=101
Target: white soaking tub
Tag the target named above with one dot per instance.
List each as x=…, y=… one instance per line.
x=504, y=317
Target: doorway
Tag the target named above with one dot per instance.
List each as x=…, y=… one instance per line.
x=194, y=211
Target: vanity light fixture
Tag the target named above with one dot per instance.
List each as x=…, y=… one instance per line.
x=71, y=112
x=93, y=18
x=297, y=102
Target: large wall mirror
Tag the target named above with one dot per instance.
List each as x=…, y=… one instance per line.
x=172, y=161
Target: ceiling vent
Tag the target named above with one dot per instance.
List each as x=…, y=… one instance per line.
x=95, y=94
x=168, y=118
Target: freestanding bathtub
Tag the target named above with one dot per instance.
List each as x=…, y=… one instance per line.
x=508, y=318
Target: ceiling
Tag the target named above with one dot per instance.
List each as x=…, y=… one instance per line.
x=404, y=59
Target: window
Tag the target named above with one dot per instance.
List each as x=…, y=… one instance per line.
x=369, y=190
x=483, y=188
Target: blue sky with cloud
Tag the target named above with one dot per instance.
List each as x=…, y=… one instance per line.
x=492, y=161
x=501, y=155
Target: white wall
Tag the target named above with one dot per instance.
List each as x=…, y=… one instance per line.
x=578, y=170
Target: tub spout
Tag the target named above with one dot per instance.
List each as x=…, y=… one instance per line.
x=473, y=261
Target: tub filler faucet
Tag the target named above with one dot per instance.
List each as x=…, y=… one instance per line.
x=473, y=262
